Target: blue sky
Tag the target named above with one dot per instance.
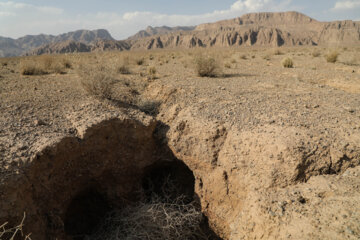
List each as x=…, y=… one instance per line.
x=125, y=17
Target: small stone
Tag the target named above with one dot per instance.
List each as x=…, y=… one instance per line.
x=39, y=123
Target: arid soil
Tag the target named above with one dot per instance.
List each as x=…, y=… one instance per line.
x=275, y=152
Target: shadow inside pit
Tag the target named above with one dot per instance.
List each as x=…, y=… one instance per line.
x=166, y=206
x=85, y=213
x=167, y=190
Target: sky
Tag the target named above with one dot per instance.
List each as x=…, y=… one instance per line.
x=124, y=18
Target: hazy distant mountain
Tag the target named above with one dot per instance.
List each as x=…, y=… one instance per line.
x=16, y=47
x=150, y=31
x=254, y=29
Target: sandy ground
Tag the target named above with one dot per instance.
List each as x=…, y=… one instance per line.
x=276, y=149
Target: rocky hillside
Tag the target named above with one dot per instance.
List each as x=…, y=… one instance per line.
x=74, y=47
x=151, y=31
x=254, y=29
x=20, y=46
x=259, y=29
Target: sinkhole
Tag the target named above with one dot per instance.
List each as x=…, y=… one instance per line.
x=119, y=181
x=166, y=208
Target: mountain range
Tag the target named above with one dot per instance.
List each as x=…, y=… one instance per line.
x=253, y=29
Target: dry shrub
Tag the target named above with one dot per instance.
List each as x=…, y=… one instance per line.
x=316, y=53
x=97, y=82
x=207, y=67
x=332, y=57
x=149, y=106
x=66, y=63
x=124, y=66
x=140, y=61
x=14, y=232
x=28, y=67
x=155, y=220
x=227, y=65
x=243, y=57
x=287, y=62
x=43, y=65
x=267, y=57
x=233, y=61
x=152, y=73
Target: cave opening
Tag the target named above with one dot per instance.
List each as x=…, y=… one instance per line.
x=84, y=214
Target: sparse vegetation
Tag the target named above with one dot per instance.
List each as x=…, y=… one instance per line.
x=31, y=68
x=316, y=53
x=267, y=57
x=207, y=67
x=43, y=65
x=66, y=63
x=154, y=220
x=332, y=57
x=140, y=61
x=13, y=232
x=287, y=63
x=243, y=56
x=149, y=106
x=152, y=73
x=124, y=69
x=97, y=82
x=227, y=65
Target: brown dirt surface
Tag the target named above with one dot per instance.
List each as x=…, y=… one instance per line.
x=275, y=152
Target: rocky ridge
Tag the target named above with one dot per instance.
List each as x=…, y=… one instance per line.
x=254, y=29
x=20, y=46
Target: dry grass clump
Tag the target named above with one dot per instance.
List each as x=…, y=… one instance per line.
x=287, y=63
x=267, y=57
x=31, y=68
x=243, y=57
x=227, y=65
x=97, y=82
x=155, y=220
x=66, y=63
x=44, y=65
x=207, y=67
x=123, y=65
x=14, y=232
x=140, y=61
x=332, y=57
x=316, y=53
x=124, y=69
x=152, y=73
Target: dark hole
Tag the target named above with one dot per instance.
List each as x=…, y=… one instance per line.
x=84, y=214
x=169, y=180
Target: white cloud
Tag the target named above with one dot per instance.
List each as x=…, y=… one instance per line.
x=50, y=20
x=7, y=14
x=346, y=5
